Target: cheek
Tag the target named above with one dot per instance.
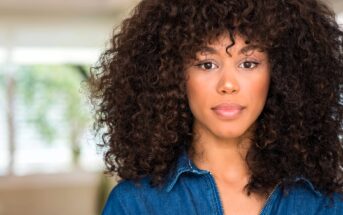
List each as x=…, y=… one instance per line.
x=197, y=88
x=262, y=89
x=258, y=89
x=192, y=93
x=198, y=94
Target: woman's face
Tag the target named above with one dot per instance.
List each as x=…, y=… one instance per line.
x=227, y=90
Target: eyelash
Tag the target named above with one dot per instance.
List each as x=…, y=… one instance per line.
x=202, y=64
x=249, y=61
x=255, y=63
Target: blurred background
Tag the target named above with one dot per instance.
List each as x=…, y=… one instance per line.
x=49, y=163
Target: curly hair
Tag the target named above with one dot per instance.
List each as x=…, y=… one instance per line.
x=141, y=107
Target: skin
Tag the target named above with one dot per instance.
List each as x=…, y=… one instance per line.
x=239, y=76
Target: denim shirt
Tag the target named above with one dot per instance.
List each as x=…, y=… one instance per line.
x=190, y=190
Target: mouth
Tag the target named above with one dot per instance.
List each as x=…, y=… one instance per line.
x=228, y=110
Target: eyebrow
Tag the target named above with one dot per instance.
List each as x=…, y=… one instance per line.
x=244, y=50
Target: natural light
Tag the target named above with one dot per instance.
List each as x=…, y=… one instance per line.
x=43, y=55
x=33, y=154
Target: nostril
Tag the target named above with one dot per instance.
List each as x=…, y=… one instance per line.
x=229, y=91
x=229, y=88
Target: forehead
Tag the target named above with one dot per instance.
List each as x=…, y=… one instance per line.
x=234, y=44
x=226, y=39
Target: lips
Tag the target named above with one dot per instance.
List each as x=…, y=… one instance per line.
x=228, y=110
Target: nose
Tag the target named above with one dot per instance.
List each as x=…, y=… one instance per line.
x=228, y=83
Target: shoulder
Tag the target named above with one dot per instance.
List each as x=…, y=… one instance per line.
x=306, y=198
x=126, y=197
x=128, y=188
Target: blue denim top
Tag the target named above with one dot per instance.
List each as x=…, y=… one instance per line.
x=189, y=190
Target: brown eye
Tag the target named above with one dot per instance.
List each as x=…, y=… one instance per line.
x=207, y=65
x=248, y=65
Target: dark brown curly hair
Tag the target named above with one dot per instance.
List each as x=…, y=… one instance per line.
x=141, y=107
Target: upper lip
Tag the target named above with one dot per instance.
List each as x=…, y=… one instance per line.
x=228, y=106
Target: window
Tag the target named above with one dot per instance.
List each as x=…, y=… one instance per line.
x=51, y=116
x=4, y=150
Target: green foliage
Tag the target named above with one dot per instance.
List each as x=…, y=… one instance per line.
x=50, y=91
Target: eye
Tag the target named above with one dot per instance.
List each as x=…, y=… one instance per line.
x=248, y=64
x=207, y=65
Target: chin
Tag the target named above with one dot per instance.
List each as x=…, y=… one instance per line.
x=231, y=134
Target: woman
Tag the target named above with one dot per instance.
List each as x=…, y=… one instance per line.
x=223, y=107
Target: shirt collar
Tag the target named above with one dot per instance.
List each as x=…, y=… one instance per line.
x=308, y=184
x=185, y=165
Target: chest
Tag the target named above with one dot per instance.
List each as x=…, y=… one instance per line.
x=239, y=203
x=202, y=195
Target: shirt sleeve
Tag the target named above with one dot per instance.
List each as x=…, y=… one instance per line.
x=113, y=205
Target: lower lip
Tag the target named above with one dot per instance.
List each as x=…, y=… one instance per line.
x=228, y=113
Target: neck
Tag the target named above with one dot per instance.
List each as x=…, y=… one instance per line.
x=225, y=159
